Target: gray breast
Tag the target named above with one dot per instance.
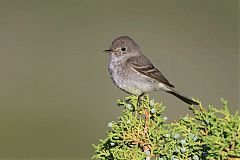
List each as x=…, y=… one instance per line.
x=129, y=80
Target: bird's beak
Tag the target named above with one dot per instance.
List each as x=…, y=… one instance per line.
x=109, y=51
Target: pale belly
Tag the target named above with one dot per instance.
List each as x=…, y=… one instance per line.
x=131, y=81
x=137, y=85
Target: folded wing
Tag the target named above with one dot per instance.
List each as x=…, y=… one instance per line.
x=142, y=65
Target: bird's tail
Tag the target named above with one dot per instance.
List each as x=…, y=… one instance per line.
x=182, y=97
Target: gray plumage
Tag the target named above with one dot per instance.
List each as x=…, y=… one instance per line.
x=132, y=72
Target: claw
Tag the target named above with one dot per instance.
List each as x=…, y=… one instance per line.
x=139, y=102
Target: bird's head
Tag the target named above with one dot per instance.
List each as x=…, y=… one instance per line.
x=123, y=46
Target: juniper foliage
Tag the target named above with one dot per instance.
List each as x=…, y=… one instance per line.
x=142, y=133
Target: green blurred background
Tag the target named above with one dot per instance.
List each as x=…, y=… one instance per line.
x=56, y=96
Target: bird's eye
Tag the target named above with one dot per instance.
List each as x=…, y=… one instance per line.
x=123, y=49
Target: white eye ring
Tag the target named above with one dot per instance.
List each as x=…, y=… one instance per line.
x=123, y=49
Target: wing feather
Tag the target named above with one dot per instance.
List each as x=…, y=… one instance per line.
x=142, y=65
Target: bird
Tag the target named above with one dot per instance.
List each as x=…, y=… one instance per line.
x=132, y=72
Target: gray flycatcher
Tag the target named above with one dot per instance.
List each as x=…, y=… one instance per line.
x=132, y=72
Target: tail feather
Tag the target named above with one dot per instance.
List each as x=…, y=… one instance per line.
x=183, y=98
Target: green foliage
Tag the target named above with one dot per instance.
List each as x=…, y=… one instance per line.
x=142, y=133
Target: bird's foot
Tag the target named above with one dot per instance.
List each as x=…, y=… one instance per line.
x=139, y=100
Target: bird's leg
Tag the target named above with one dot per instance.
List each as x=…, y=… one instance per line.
x=139, y=99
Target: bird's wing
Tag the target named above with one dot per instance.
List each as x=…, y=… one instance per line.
x=142, y=65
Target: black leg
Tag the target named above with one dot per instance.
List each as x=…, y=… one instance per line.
x=139, y=99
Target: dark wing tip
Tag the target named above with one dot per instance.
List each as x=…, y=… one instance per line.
x=170, y=85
